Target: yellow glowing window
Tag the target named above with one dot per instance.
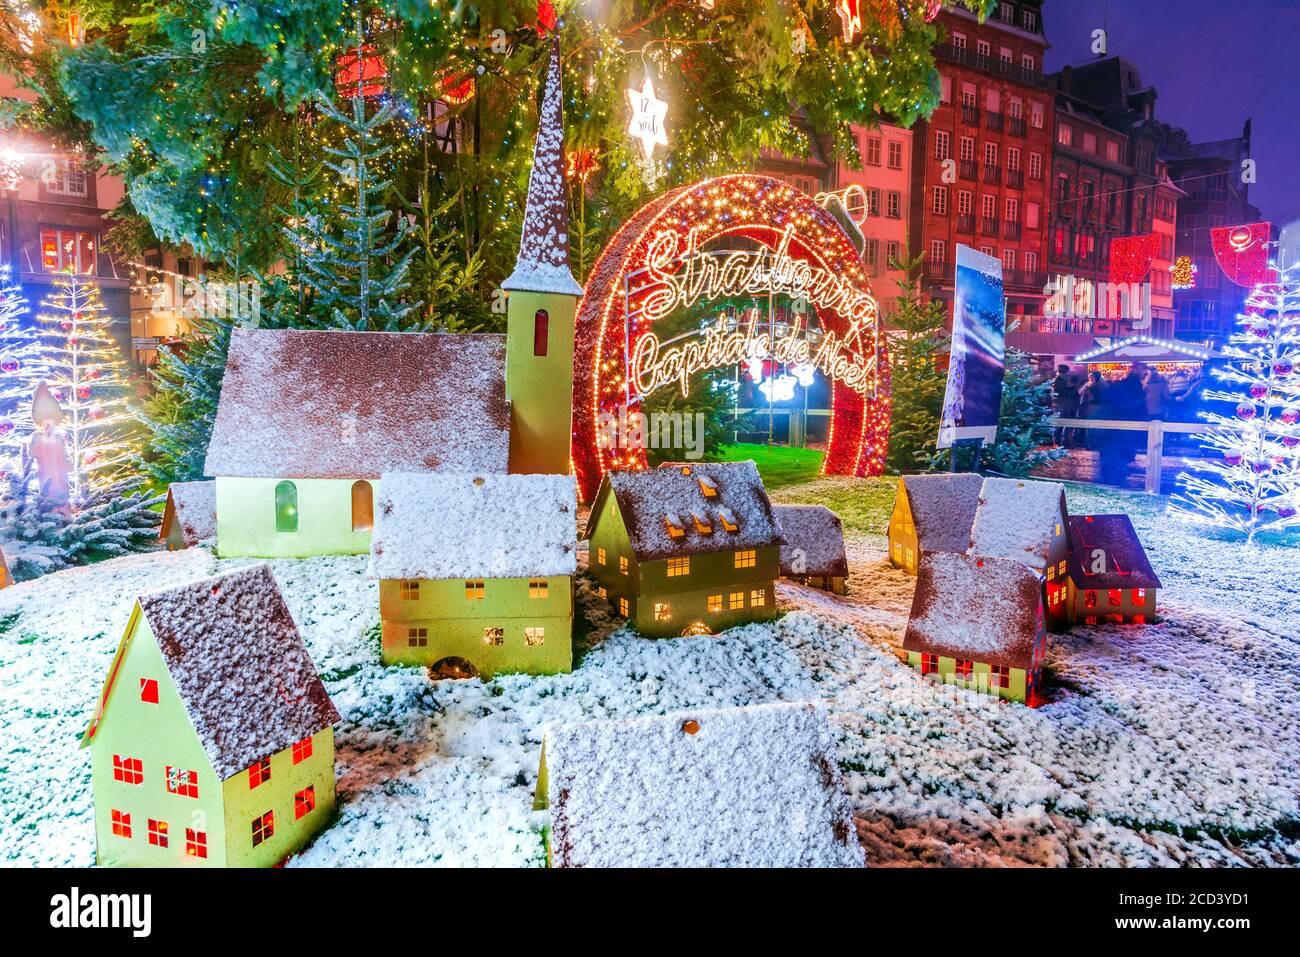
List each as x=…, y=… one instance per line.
x=758, y=598
x=534, y=636
x=622, y=564
x=602, y=591
x=475, y=590
x=707, y=487
x=663, y=611
x=409, y=589
x=715, y=603
x=417, y=637
x=494, y=636
x=911, y=558
x=622, y=607
x=1058, y=528
x=538, y=588
x=1051, y=573
x=747, y=558
x=898, y=551
x=736, y=600
x=678, y=567
x=675, y=529
x=701, y=525
x=600, y=556
x=1060, y=568
x=727, y=522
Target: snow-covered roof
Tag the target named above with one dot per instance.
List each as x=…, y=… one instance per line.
x=192, y=506
x=652, y=499
x=975, y=609
x=543, y=263
x=1123, y=562
x=242, y=671
x=1017, y=518
x=474, y=526
x=306, y=403
x=755, y=786
x=943, y=508
x=814, y=541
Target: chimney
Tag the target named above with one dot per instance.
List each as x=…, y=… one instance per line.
x=1067, y=80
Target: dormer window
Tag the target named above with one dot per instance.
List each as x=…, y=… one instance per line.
x=728, y=519
x=708, y=487
x=702, y=525
x=674, y=525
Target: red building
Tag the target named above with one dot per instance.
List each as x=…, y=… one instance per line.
x=980, y=162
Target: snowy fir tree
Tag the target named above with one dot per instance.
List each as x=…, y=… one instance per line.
x=1253, y=485
x=22, y=366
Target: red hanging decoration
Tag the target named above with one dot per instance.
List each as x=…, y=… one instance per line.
x=581, y=164
x=456, y=89
x=1242, y=252
x=1131, y=257
x=360, y=69
x=932, y=8
x=547, y=18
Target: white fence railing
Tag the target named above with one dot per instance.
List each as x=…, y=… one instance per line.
x=1156, y=430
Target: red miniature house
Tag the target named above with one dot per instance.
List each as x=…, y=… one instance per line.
x=1111, y=579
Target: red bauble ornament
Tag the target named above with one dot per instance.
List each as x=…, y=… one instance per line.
x=93, y=372
x=90, y=458
x=546, y=18
x=1246, y=411
x=1258, y=391
x=1261, y=331
x=1283, y=366
x=1262, y=466
x=1242, y=253
x=9, y=364
x=1233, y=459
x=66, y=325
x=1290, y=416
x=83, y=392
x=96, y=412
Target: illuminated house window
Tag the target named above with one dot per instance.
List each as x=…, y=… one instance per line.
x=65, y=250
x=304, y=802
x=1058, y=528
x=603, y=592
x=678, y=567
x=701, y=524
x=622, y=607
x=128, y=770
x=715, y=603
x=182, y=782
x=363, y=506
x=494, y=636
x=67, y=177
x=1139, y=596
x=746, y=559
x=149, y=690
x=600, y=556
x=1090, y=598
x=538, y=588
x=302, y=750
x=535, y=636
x=1060, y=568
x=708, y=487
x=286, y=507
x=408, y=589
x=736, y=600
x=1000, y=676
x=674, y=525
x=157, y=833
x=417, y=637
x=929, y=664
x=728, y=520
x=263, y=828
x=475, y=590
x=1114, y=598
x=622, y=565
x=964, y=669
x=121, y=823
x=663, y=611
x=259, y=773
x=758, y=598
x=1051, y=573
x=196, y=843
x=541, y=331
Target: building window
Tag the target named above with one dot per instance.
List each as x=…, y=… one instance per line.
x=1090, y=598
x=1031, y=257
x=304, y=802
x=541, y=331
x=959, y=41
x=1012, y=209
x=895, y=159
x=1013, y=158
x=475, y=589
x=873, y=151
x=196, y=843
x=1035, y=165
x=121, y=823
x=535, y=635
x=363, y=506
x=182, y=782
x=1027, y=62
x=602, y=591
x=871, y=252
x=1139, y=596
x=939, y=202
x=663, y=611
x=622, y=607
x=1065, y=134
x=891, y=253
x=758, y=598
x=157, y=833
x=999, y=676
x=538, y=588
x=149, y=690
x=1008, y=259
x=736, y=600
x=989, y=205
x=894, y=204
x=622, y=565
x=600, y=556
x=746, y=559
x=1016, y=108
x=929, y=663
x=67, y=177
x=1114, y=597
x=417, y=637
x=494, y=636
x=715, y=603
x=128, y=770
x=408, y=589
x=990, y=154
x=963, y=202
x=983, y=47
x=66, y=250
x=942, y=144
x=259, y=772
x=966, y=148
x=677, y=567
x=938, y=252
x=302, y=750
x=286, y=507
x=1037, y=117
x=964, y=668
x=263, y=828
x=1030, y=19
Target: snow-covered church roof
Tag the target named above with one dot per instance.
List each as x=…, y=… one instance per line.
x=943, y=508
x=814, y=541
x=308, y=403
x=755, y=786
x=1018, y=518
x=543, y=263
x=474, y=526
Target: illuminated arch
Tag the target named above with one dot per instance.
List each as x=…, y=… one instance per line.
x=759, y=208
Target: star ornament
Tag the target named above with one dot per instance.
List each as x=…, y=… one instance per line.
x=850, y=12
x=648, y=111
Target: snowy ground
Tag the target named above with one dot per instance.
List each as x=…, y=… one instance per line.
x=1168, y=744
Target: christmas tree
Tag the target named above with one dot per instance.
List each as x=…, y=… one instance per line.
x=1253, y=485
x=86, y=374
x=22, y=366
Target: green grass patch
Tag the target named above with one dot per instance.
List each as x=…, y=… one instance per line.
x=863, y=504
x=780, y=465
x=8, y=621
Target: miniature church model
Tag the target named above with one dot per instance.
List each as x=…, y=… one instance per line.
x=757, y=786
x=1111, y=579
x=190, y=515
x=476, y=572
x=685, y=549
x=978, y=623
x=212, y=742
x=932, y=513
x=813, y=553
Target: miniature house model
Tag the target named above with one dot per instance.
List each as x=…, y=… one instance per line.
x=757, y=786
x=6, y=579
x=978, y=623
x=1026, y=521
x=932, y=513
x=813, y=553
x=475, y=572
x=1111, y=579
x=212, y=742
x=190, y=516
x=685, y=549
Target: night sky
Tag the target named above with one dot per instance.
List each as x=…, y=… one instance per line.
x=1213, y=63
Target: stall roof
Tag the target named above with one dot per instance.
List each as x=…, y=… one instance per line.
x=1146, y=349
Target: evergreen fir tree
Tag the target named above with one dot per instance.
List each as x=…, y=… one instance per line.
x=916, y=343
x=22, y=366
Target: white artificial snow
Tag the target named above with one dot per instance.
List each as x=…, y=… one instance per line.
x=1016, y=519
x=943, y=508
x=468, y=526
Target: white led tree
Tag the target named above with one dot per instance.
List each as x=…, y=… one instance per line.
x=1252, y=485
x=22, y=366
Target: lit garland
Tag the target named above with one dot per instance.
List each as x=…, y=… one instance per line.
x=1131, y=257
x=759, y=208
x=1183, y=273
x=1242, y=253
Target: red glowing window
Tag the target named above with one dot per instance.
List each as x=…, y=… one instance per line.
x=1090, y=620
x=302, y=750
x=929, y=664
x=964, y=668
x=196, y=843
x=149, y=690
x=1090, y=598
x=121, y=823
x=182, y=782
x=999, y=676
x=259, y=772
x=157, y=833
x=304, y=802
x=1139, y=619
x=1139, y=596
x=1114, y=597
x=263, y=828
x=1115, y=619
x=127, y=770
x=541, y=332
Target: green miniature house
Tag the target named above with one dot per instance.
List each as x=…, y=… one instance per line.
x=190, y=515
x=476, y=572
x=756, y=786
x=309, y=419
x=212, y=743
x=813, y=553
x=685, y=549
x=932, y=513
x=978, y=623
x=1111, y=580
